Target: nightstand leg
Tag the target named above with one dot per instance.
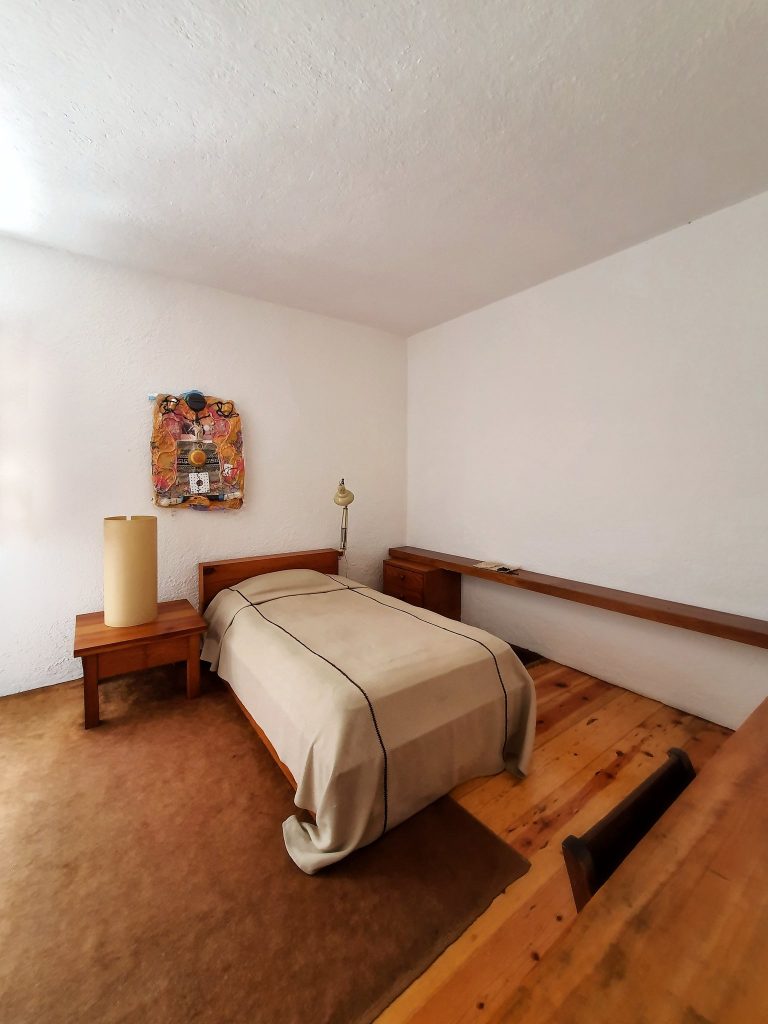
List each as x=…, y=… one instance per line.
x=91, y=691
x=193, y=668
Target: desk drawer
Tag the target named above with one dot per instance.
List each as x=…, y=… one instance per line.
x=134, y=659
x=410, y=597
x=404, y=583
x=424, y=586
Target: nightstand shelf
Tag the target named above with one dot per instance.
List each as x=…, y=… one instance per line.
x=423, y=586
x=174, y=636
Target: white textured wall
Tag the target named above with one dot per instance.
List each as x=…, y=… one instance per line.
x=82, y=345
x=611, y=426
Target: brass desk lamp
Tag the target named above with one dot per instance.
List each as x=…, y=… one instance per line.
x=343, y=497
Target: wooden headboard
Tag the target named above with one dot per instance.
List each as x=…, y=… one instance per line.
x=215, y=576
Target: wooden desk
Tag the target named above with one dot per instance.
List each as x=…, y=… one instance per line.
x=113, y=650
x=741, y=628
x=679, y=934
x=423, y=586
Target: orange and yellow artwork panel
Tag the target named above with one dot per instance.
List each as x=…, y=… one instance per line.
x=197, y=452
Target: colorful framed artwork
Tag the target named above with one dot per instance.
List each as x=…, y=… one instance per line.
x=197, y=452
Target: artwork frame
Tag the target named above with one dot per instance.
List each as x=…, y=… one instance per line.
x=197, y=452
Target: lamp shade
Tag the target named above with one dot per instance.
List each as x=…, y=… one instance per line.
x=130, y=570
x=343, y=495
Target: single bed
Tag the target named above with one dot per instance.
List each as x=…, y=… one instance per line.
x=372, y=708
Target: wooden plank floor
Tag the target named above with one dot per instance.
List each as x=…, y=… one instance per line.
x=595, y=743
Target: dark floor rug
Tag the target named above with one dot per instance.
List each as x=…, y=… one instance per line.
x=143, y=876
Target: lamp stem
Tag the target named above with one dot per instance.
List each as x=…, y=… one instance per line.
x=344, y=521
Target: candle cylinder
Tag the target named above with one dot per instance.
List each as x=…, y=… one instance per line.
x=130, y=570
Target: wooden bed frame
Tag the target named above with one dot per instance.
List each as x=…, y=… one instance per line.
x=213, y=577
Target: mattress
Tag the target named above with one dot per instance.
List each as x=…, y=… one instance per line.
x=376, y=707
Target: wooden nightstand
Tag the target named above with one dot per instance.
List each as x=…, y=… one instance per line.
x=434, y=589
x=113, y=650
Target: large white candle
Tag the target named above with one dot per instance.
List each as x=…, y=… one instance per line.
x=130, y=570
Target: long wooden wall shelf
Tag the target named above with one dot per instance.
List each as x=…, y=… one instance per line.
x=686, y=616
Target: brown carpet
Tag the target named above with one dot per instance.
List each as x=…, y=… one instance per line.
x=144, y=878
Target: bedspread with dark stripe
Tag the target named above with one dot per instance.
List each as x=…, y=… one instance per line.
x=375, y=706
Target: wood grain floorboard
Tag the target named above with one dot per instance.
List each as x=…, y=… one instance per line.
x=595, y=742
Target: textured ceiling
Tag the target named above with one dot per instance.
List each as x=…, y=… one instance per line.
x=395, y=163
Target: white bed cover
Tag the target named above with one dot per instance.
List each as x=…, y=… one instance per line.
x=376, y=707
